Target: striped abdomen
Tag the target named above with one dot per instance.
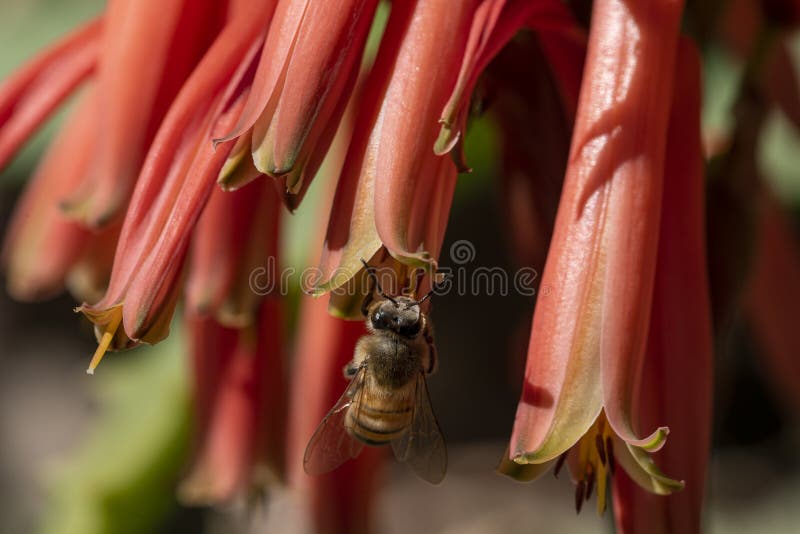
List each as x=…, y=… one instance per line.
x=379, y=414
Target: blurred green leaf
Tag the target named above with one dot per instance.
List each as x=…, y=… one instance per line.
x=721, y=82
x=779, y=156
x=481, y=153
x=122, y=479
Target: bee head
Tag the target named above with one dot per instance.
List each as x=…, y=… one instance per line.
x=400, y=315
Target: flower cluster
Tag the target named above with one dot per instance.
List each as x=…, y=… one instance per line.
x=199, y=121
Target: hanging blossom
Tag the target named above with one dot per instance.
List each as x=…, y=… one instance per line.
x=590, y=332
x=198, y=120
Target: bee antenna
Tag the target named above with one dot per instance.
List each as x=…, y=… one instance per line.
x=423, y=299
x=374, y=277
x=432, y=291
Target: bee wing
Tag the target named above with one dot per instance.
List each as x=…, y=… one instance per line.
x=422, y=445
x=332, y=445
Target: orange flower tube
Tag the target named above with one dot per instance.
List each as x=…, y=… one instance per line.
x=590, y=328
x=136, y=37
x=39, y=229
x=241, y=398
x=305, y=77
x=236, y=234
x=175, y=183
x=677, y=373
x=394, y=191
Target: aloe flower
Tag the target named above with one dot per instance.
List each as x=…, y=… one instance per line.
x=236, y=347
x=177, y=178
x=589, y=334
x=676, y=375
x=240, y=403
x=201, y=124
x=308, y=67
x=387, y=158
x=394, y=194
x=38, y=227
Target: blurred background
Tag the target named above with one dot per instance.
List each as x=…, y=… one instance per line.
x=81, y=454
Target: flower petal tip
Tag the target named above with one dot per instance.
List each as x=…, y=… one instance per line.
x=219, y=140
x=642, y=469
x=447, y=139
x=416, y=260
x=522, y=458
x=668, y=486
x=655, y=441
x=315, y=292
x=520, y=472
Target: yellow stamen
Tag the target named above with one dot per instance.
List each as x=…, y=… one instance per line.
x=601, y=489
x=594, y=463
x=109, y=329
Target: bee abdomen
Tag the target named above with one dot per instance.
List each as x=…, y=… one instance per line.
x=378, y=424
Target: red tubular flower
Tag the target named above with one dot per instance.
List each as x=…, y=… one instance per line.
x=494, y=23
x=394, y=191
x=29, y=96
x=188, y=95
x=177, y=179
x=236, y=235
x=236, y=346
x=240, y=399
x=677, y=373
x=144, y=304
x=400, y=155
x=38, y=228
x=589, y=332
x=136, y=80
x=306, y=75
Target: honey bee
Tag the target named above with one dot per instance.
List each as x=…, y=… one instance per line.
x=387, y=399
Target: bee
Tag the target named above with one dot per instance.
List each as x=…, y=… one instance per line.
x=387, y=400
